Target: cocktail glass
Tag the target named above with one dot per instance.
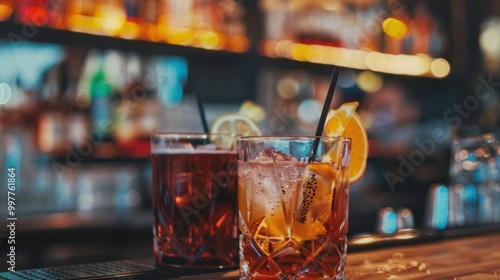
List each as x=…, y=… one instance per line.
x=293, y=207
x=195, y=200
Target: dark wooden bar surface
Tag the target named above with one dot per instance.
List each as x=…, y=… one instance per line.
x=473, y=257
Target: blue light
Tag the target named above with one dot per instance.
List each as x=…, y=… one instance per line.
x=389, y=224
x=172, y=74
x=441, y=208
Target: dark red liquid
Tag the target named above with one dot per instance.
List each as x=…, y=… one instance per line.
x=195, y=209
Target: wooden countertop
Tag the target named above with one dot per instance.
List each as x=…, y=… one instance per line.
x=473, y=257
x=464, y=258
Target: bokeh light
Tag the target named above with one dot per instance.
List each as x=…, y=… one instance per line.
x=394, y=28
x=309, y=111
x=399, y=64
x=347, y=79
x=489, y=39
x=369, y=81
x=111, y=18
x=440, y=68
x=252, y=110
x=288, y=88
x=5, y=11
x=5, y=93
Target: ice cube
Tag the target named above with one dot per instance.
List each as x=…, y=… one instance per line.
x=271, y=154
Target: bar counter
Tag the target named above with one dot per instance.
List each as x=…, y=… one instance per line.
x=472, y=257
x=466, y=257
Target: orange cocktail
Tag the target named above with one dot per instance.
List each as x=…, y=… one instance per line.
x=293, y=195
x=293, y=207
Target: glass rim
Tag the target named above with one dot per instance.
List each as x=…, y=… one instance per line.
x=293, y=137
x=187, y=135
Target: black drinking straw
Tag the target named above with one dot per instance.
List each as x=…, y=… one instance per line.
x=201, y=112
x=324, y=113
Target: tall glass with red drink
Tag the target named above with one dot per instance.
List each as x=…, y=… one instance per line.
x=195, y=200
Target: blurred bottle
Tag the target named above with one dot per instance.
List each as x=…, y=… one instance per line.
x=127, y=194
x=422, y=26
x=474, y=178
x=131, y=28
x=149, y=10
x=101, y=94
x=6, y=9
x=57, y=13
x=53, y=112
x=19, y=155
x=135, y=110
x=235, y=28
x=176, y=21
x=437, y=208
x=208, y=25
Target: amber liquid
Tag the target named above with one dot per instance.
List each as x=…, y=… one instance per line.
x=293, y=220
x=195, y=209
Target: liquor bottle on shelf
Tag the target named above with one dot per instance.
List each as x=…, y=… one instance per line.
x=422, y=25
x=148, y=10
x=208, y=25
x=131, y=28
x=52, y=112
x=175, y=21
x=232, y=14
x=57, y=13
x=101, y=94
x=135, y=110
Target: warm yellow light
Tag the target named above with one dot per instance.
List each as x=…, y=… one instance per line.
x=399, y=64
x=178, y=35
x=301, y=52
x=369, y=81
x=361, y=240
x=396, y=64
x=152, y=32
x=422, y=64
x=269, y=48
x=394, y=28
x=239, y=43
x=208, y=39
x=371, y=61
x=252, y=110
x=489, y=40
x=440, y=68
x=111, y=18
x=283, y=48
x=5, y=11
x=80, y=23
x=288, y=88
x=130, y=30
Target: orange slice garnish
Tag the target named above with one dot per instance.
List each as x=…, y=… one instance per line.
x=346, y=123
x=233, y=124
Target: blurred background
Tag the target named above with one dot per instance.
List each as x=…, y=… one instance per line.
x=83, y=84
